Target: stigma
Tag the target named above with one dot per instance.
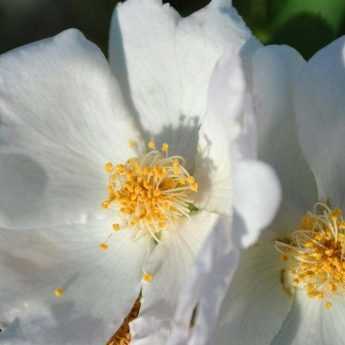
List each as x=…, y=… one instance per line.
x=315, y=254
x=151, y=191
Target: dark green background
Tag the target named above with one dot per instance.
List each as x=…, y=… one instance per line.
x=306, y=25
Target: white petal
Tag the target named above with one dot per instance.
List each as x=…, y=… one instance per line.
x=142, y=40
x=217, y=134
x=213, y=168
x=310, y=323
x=206, y=288
x=99, y=287
x=227, y=91
x=257, y=196
x=320, y=101
x=245, y=146
x=256, y=304
x=170, y=264
x=62, y=89
x=201, y=40
x=62, y=118
x=274, y=71
x=170, y=105
x=224, y=126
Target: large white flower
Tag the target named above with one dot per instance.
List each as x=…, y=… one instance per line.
x=289, y=288
x=144, y=143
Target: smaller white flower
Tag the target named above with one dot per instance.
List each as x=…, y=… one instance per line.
x=289, y=288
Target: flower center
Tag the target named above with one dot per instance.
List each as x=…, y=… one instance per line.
x=315, y=254
x=150, y=191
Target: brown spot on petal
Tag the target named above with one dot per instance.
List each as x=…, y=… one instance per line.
x=123, y=335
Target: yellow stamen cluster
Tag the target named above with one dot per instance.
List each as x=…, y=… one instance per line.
x=315, y=253
x=150, y=191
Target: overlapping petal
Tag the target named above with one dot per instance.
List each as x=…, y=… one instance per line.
x=203, y=294
x=257, y=196
x=168, y=72
x=320, y=101
x=275, y=72
x=170, y=263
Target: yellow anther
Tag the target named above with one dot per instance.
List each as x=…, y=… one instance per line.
x=190, y=179
x=105, y=204
x=104, y=246
x=194, y=187
x=165, y=148
x=147, y=277
x=151, y=144
x=116, y=227
x=59, y=292
x=108, y=167
x=328, y=305
x=120, y=169
x=132, y=144
x=337, y=212
x=309, y=244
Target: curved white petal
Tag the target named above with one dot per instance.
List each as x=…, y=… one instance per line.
x=99, y=287
x=310, y=323
x=228, y=130
x=168, y=72
x=170, y=264
x=217, y=134
x=257, y=196
x=62, y=117
x=275, y=70
x=62, y=89
x=245, y=146
x=256, y=304
x=142, y=45
x=213, y=168
x=206, y=288
x=201, y=40
x=320, y=101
